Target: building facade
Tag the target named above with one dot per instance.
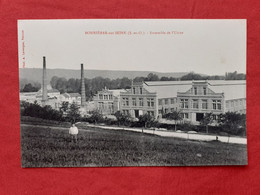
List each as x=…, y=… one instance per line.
x=198, y=100
x=70, y=98
x=193, y=99
x=138, y=101
x=107, y=101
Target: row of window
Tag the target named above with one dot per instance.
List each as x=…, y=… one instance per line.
x=235, y=103
x=195, y=89
x=138, y=102
x=126, y=112
x=216, y=104
x=109, y=106
x=105, y=96
x=167, y=101
x=166, y=110
x=135, y=90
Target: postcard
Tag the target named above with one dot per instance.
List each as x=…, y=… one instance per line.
x=132, y=92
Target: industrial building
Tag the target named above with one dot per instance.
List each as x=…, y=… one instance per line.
x=191, y=98
x=195, y=98
x=107, y=101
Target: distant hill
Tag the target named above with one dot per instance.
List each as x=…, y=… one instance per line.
x=35, y=74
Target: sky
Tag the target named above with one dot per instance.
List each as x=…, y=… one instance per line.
x=210, y=47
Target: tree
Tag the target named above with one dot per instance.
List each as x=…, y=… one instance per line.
x=207, y=120
x=46, y=112
x=232, y=122
x=96, y=116
x=175, y=115
x=146, y=120
x=73, y=112
x=64, y=107
x=235, y=76
x=139, y=79
x=122, y=118
x=30, y=88
x=192, y=76
x=152, y=77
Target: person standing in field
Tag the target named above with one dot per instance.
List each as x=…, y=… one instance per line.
x=73, y=131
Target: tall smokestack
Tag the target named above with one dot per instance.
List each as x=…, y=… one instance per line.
x=44, y=82
x=83, y=92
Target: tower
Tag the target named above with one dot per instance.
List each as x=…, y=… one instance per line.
x=44, y=82
x=83, y=91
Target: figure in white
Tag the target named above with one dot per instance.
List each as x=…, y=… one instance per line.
x=73, y=131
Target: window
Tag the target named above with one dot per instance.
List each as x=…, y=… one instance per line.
x=195, y=90
x=110, y=96
x=160, y=102
x=100, y=105
x=141, y=102
x=215, y=117
x=166, y=101
x=185, y=115
x=141, y=90
x=184, y=103
x=125, y=112
x=125, y=102
x=204, y=104
x=100, y=96
x=172, y=101
x=105, y=97
x=151, y=113
x=166, y=110
x=195, y=104
x=110, y=106
x=134, y=101
x=204, y=91
x=133, y=90
x=216, y=104
x=150, y=102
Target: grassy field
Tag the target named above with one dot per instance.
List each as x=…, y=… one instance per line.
x=44, y=146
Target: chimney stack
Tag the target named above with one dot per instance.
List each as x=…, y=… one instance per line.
x=44, y=83
x=83, y=92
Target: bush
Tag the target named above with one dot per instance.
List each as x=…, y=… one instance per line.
x=187, y=127
x=46, y=112
x=96, y=117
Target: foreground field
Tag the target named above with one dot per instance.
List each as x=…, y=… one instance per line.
x=51, y=146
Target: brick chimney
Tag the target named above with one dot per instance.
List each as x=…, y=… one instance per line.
x=44, y=83
x=83, y=92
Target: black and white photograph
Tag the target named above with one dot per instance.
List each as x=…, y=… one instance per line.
x=132, y=92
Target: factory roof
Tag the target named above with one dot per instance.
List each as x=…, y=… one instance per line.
x=232, y=89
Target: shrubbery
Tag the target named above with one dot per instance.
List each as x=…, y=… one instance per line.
x=46, y=112
x=228, y=123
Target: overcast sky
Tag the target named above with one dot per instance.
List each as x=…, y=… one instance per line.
x=205, y=46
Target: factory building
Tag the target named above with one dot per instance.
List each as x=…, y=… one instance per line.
x=106, y=101
x=195, y=98
x=137, y=101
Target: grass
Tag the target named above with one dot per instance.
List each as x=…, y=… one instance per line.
x=50, y=146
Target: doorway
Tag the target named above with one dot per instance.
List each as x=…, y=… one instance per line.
x=136, y=113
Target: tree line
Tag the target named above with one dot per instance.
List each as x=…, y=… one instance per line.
x=230, y=122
